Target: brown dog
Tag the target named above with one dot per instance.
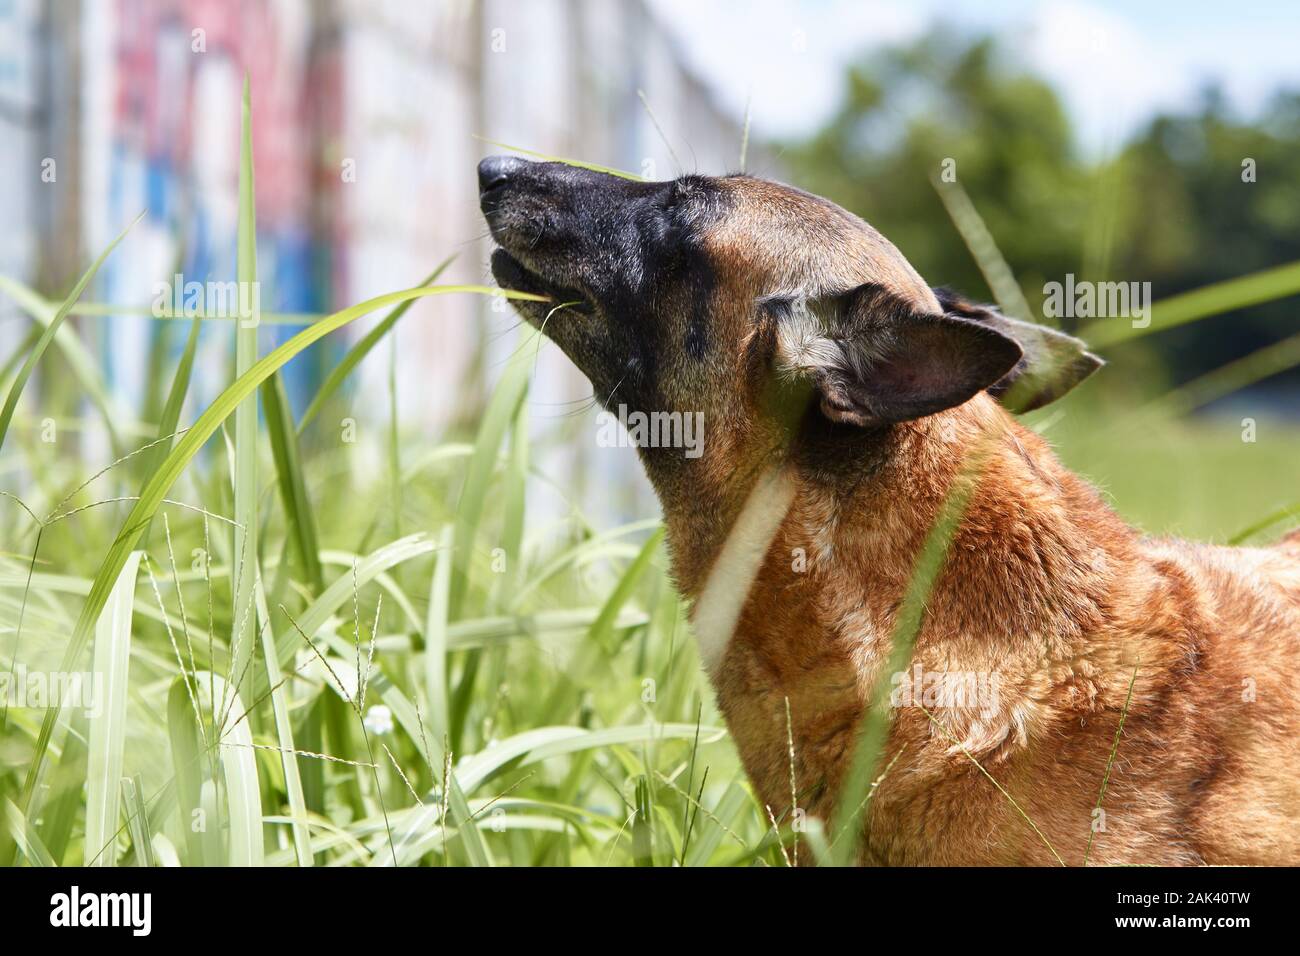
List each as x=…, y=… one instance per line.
x=849, y=411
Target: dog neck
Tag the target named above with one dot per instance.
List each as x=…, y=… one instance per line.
x=811, y=588
x=873, y=497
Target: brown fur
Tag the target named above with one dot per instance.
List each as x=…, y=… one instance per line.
x=1042, y=584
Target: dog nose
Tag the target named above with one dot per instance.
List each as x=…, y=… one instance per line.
x=496, y=171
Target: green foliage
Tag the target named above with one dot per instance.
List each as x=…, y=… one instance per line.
x=906, y=111
x=1174, y=207
x=224, y=775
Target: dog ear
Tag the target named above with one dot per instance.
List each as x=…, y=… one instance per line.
x=1053, y=362
x=873, y=359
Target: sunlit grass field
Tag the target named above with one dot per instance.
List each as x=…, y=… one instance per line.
x=562, y=682
x=1191, y=479
x=324, y=652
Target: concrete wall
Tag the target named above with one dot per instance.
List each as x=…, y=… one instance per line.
x=366, y=118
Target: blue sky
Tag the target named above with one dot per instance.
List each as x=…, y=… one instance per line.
x=1114, y=62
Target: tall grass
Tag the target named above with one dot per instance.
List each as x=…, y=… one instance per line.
x=291, y=692
x=284, y=685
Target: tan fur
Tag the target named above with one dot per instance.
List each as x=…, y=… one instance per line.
x=1042, y=585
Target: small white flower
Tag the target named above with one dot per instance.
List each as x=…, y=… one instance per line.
x=379, y=720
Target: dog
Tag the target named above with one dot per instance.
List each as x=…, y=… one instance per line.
x=1134, y=701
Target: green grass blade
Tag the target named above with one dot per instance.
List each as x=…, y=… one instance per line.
x=187, y=766
x=1215, y=299
x=65, y=799
x=165, y=851
x=15, y=390
x=159, y=347
x=171, y=412
x=815, y=836
x=528, y=747
x=710, y=828
x=244, y=551
x=1282, y=514
x=600, y=642
x=25, y=836
x=580, y=164
x=299, y=515
x=435, y=638
x=516, y=506
x=84, y=366
x=153, y=493
x=340, y=592
x=598, y=545
x=284, y=731
x=500, y=413
x=1110, y=762
x=16, y=356
x=233, y=742
x=239, y=766
x=167, y=314
x=983, y=249
x=602, y=630
x=363, y=348
x=458, y=812
x=108, y=727
x=543, y=743
x=137, y=819
x=394, y=442
x=1258, y=365
x=643, y=834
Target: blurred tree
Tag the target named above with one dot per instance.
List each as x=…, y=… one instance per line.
x=1173, y=207
x=946, y=102
x=1208, y=197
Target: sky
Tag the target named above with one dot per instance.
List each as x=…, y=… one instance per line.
x=1115, y=63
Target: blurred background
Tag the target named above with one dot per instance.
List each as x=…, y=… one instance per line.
x=450, y=507
x=1104, y=140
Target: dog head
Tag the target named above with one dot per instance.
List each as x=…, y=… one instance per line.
x=700, y=293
